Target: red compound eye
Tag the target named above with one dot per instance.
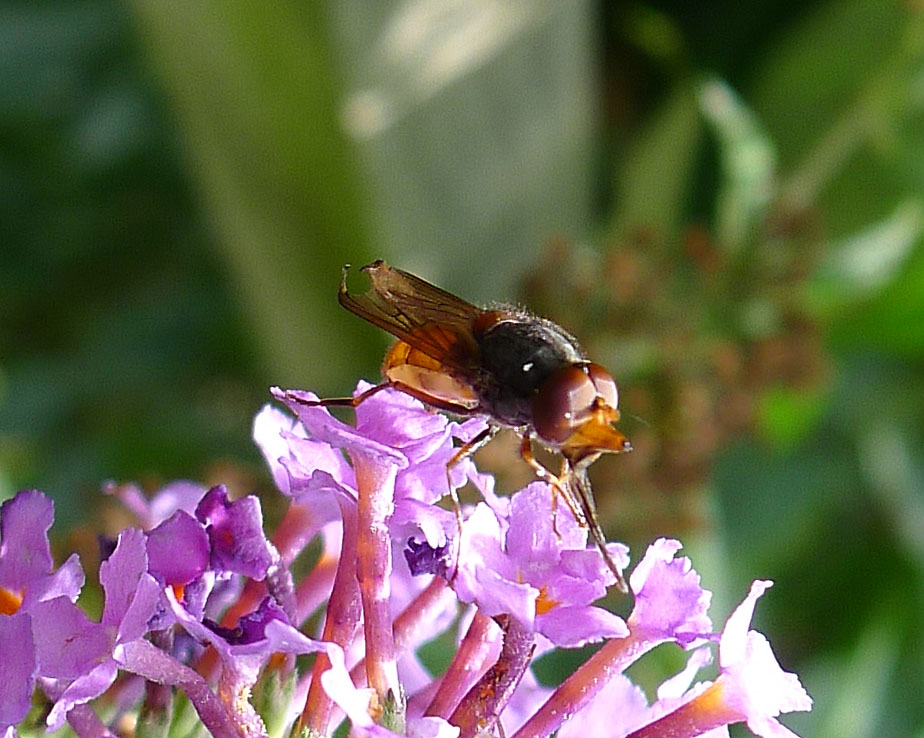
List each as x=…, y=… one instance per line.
x=605, y=384
x=563, y=402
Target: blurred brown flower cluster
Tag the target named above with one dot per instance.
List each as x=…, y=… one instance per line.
x=697, y=337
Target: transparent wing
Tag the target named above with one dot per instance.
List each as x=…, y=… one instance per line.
x=429, y=319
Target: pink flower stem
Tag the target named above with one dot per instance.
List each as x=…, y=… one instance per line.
x=314, y=589
x=704, y=712
x=340, y=626
x=479, y=710
x=421, y=610
x=467, y=665
x=375, y=482
x=581, y=687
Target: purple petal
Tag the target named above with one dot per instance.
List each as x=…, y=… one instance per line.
x=17, y=667
x=402, y=422
x=236, y=533
x=424, y=559
x=485, y=575
x=68, y=644
x=251, y=627
x=24, y=551
x=306, y=457
x=177, y=495
x=669, y=601
x=754, y=683
x=318, y=492
x=573, y=627
x=340, y=688
x=732, y=647
x=268, y=426
x=120, y=573
x=67, y=581
x=322, y=426
x=539, y=536
x=178, y=549
x=416, y=519
x=83, y=689
x=676, y=686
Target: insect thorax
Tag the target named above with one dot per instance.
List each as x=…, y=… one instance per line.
x=517, y=356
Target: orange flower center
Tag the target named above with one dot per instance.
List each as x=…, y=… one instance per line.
x=544, y=603
x=9, y=601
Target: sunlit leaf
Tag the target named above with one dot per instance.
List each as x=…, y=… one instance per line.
x=747, y=160
x=866, y=262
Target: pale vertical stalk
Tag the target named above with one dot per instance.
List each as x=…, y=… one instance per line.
x=340, y=624
x=467, y=665
x=419, y=612
x=375, y=482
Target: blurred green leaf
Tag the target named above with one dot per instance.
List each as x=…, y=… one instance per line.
x=655, y=172
x=895, y=473
x=815, y=71
x=256, y=92
x=839, y=128
x=863, y=679
x=786, y=415
x=475, y=122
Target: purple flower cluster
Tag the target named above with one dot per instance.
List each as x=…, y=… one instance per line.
x=199, y=601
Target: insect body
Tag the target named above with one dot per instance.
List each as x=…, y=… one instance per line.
x=519, y=370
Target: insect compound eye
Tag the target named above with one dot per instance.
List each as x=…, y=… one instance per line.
x=562, y=403
x=605, y=384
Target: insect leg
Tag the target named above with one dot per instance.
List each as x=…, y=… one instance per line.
x=580, y=483
x=430, y=400
x=574, y=488
x=526, y=452
x=344, y=401
x=463, y=452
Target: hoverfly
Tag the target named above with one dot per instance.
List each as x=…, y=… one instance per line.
x=520, y=371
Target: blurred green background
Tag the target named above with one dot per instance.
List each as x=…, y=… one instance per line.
x=723, y=200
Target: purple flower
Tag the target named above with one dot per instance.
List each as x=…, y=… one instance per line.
x=538, y=569
x=235, y=531
x=392, y=429
x=205, y=603
x=670, y=605
x=751, y=686
x=28, y=580
x=27, y=574
x=243, y=652
x=178, y=550
x=84, y=657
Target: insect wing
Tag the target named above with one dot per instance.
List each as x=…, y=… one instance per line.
x=429, y=319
